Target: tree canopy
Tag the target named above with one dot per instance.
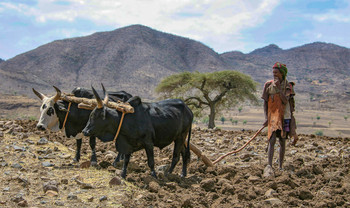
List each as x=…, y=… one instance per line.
x=216, y=91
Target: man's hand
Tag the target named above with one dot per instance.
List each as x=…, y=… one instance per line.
x=277, y=82
x=265, y=123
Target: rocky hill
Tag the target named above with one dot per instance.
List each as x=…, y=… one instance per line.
x=136, y=58
x=133, y=58
x=320, y=70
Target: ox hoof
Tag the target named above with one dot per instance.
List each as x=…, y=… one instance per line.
x=123, y=175
x=154, y=175
x=75, y=160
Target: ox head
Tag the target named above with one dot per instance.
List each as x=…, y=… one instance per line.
x=48, y=115
x=98, y=124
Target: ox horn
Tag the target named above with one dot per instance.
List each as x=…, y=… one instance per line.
x=58, y=94
x=105, y=101
x=40, y=95
x=99, y=101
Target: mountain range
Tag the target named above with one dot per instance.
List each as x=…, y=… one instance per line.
x=136, y=58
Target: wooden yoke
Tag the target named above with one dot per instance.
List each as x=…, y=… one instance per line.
x=90, y=104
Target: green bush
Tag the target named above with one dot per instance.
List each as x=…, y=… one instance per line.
x=319, y=133
x=205, y=120
x=223, y=119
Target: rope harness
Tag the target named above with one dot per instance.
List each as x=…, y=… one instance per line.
x=65, y=119
x=120, y=125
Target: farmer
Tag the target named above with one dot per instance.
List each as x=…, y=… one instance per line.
x=278, y=108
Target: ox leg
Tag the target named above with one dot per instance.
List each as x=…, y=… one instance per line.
x=119, y=157
x=77, y=154
x=176, y=155
x=125, y=165
x=92, y=143
x=186, y=157
x=185, y=160
x=150, y=159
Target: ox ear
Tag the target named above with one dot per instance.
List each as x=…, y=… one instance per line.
x=40, y=95
x=61, y=107
x=134, y=101
x=104, y=114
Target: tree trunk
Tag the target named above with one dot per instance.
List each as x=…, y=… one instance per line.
x=211, y=124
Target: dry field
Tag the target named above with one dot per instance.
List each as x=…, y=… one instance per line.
x=36, y=168
x=330, y=123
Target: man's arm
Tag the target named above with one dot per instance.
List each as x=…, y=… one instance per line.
x=265, y=112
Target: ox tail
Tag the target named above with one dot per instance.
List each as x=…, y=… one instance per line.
x=188, y=151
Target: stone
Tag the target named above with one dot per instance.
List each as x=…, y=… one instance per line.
x=59, y=203
x=305, y=195
x=48, y=164
x=23, y=203
x=269, y=193
x=115, y=181
x=103, y=198
x=85, y=164
x=109, y=157
x=273, y=201
x=65, y=156
x=153, y=187
x=64, y=181
x=253, y=179
x=208, y=184
x=50, y=185
x=18, y=149
x=72, y=196
x=17, y=198
x=51, y=193
x=42, y=141
x=16, y=165
x=334, y=152
x=84, y=185
x=162, y=168
x=268, y=172
x=91, y=199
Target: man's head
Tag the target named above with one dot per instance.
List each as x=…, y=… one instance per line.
x=282, y=69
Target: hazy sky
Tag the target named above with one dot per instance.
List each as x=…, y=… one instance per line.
x=223, y=25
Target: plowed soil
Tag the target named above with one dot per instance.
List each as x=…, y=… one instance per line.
x=315, y=174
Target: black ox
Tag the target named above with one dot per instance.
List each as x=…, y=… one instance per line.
x=152, y=124
x=53, y=112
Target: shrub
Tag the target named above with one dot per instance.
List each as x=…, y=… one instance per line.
x=319, y=133
x=205, y=120
x=223, y=119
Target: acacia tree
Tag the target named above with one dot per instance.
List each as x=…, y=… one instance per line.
x=215, y=91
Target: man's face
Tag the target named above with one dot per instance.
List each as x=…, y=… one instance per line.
x=277, y=74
